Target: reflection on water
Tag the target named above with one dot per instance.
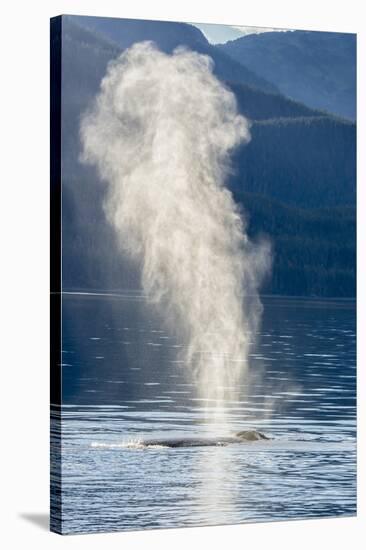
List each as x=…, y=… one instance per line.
x=123, y=381
x=217, y=491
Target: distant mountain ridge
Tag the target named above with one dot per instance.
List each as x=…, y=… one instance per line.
x=298, y=159
x=168, y=36
x=314, y=250
x=306, y=162
x=315, y=68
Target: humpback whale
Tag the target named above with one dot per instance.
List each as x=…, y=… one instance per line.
x=240, y=437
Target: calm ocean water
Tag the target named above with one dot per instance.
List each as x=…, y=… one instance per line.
x=123, y=381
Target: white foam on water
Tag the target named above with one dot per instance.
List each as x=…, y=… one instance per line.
x=136, y=443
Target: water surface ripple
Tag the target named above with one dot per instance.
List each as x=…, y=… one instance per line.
x=123, y=381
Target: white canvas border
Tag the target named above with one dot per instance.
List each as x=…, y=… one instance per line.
x=24, y=252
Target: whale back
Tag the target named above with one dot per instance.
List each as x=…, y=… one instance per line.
x=250, y=435
x=246, y=435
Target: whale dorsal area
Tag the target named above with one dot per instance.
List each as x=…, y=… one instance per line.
x=240, y=437
x=251, y=435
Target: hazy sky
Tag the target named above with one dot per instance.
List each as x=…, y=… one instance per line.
x=217, y=34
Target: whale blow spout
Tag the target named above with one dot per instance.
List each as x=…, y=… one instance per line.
x=161, y=134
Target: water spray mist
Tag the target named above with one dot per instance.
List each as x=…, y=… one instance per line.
x=160, y=133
